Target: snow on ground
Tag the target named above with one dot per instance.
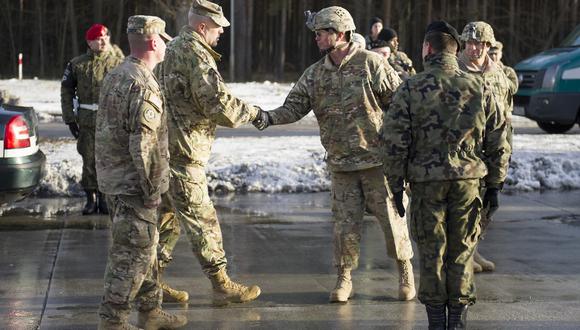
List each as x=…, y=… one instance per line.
x=290, y=164
x=296, y=164
x=44, y=95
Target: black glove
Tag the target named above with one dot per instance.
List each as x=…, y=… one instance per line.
x=491, y=201
x=74, y=129
x=262, y=120
x=398, y=197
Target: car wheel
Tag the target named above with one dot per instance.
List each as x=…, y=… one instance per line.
x=554, y=128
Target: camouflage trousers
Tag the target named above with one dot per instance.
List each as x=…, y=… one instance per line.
x=131, y=274
x=196, y=213
x=86, y=148
x=351, y=193
x=445, y=224
x=169, y=231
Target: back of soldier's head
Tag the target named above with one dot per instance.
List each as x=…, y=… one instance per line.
x=442, y=37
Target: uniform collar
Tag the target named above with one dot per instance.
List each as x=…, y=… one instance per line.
x=92, y=53
x=188, y=32
x=353, y=49
x=440, y=60
x=488, y=66
x=141, y=64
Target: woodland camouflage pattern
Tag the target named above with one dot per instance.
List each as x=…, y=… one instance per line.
x=131, y=134
x=83, y=79
x=443, y=137
x=348, y=103
x=475, y=145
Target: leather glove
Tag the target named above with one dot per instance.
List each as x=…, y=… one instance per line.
x=74, y=129
x=398, y=198
x=262, y=120
x=491, y=201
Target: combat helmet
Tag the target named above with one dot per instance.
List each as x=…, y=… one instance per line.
x=334, y=17
x=479, y=31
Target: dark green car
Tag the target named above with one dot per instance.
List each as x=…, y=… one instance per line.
x=21, y=161
x=549, y=90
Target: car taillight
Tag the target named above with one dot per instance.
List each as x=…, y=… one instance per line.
x=16, y=135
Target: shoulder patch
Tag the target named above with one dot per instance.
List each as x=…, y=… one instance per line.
x=155, y=100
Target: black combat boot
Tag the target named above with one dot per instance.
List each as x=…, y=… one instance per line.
x=436, y=316
x=457, y=317
x=102, y=201
x=91, y=205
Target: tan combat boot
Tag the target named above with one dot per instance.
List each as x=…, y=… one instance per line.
x=108, y=325
x=172, y=295
x=486, y=265
x=406, y=280
x=477, y=267
x=226, y=291
x=160, y=319
x=343, y=289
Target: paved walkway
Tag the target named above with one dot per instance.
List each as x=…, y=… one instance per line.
x=52, y=278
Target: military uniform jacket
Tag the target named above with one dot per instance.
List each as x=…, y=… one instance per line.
x=438, y=129
x=496, y=82
x=402, y=64
x=511, y=75
x=197, y=99
x=83, y=78
x=348, y=102
x=131, y=134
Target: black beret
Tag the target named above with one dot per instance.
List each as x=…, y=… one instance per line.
x=375, y=20
x=443, y=27
x=387, y=34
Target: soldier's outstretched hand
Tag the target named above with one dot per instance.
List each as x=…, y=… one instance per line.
x=399, y=203
x=262, y=120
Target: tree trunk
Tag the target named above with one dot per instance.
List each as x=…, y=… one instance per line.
x=387, y=13
x=280, y=57
x=73, y=27
x=97, y=11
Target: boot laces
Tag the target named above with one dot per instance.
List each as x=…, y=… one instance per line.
x=234, y=286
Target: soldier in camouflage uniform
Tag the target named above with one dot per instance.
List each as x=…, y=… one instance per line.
x=398, y=59
x=197, y=101
x=81, y=83
x=441, y=137
x=496, y=54
x=133, y=172
x=478, y=38
x=348, y=90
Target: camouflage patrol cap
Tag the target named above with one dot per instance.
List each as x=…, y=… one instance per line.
x=143, y=24
x=479, y=31
x=211, y=10
x=334, y=17
x=357, y=38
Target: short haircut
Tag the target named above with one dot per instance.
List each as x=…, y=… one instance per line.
x=139, y=41
x=441, y=42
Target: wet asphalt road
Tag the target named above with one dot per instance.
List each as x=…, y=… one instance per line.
x=52, y=278
x=51, y=268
